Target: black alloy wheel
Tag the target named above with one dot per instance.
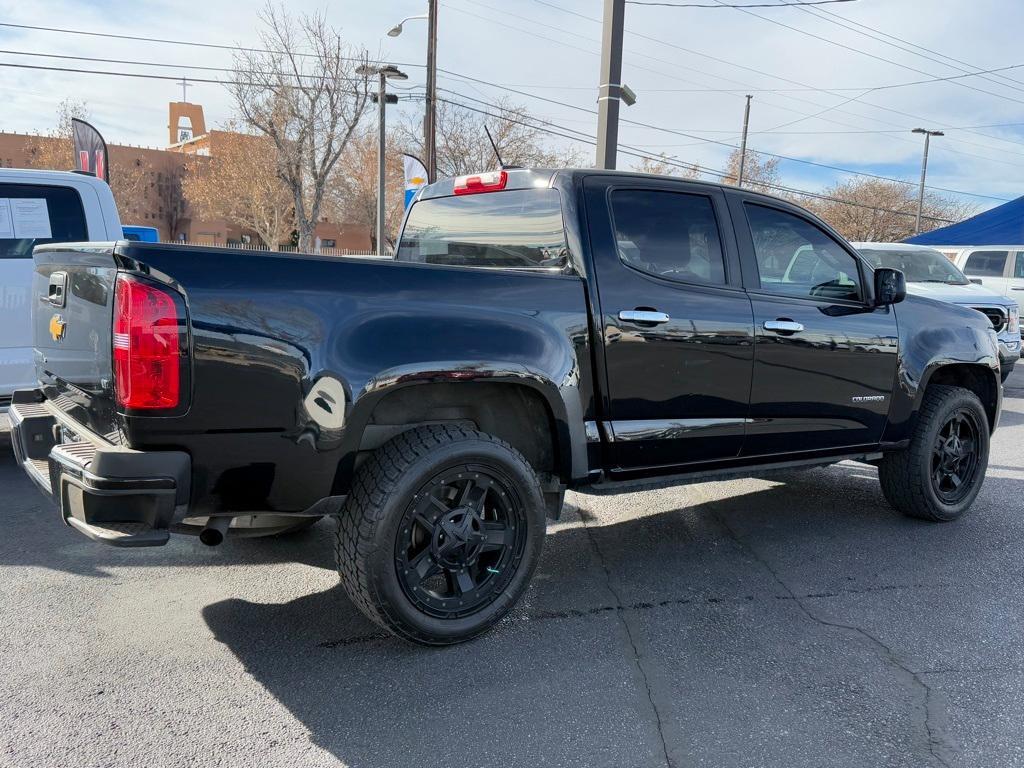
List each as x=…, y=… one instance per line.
x=939, y=474
x=461, y=539
x=955, y=458
x=441, y=533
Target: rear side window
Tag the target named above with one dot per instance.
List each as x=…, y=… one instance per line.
x=986, y=263
x=1018, y=268
x=517, y=228
x=32, y=215
x=668, y=234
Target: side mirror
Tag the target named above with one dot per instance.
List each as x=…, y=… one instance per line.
x=890, y=287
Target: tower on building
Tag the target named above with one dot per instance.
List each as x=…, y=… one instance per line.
x=185, y=122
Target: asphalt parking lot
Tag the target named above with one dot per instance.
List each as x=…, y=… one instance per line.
x=796, y=621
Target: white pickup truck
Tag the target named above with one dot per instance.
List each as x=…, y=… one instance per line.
x=40, y=207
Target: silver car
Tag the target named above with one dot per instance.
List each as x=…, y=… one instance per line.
x=931, y=274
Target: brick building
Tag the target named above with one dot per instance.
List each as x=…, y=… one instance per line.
x=160, y=203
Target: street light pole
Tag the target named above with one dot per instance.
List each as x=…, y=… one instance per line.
x=610, y=89
x=743, y=143
x=430, y=119
x=924, y=172
x=384, y=73
x=430, y=111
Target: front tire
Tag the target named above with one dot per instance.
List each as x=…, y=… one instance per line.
x=939, y=475
x=441, y=533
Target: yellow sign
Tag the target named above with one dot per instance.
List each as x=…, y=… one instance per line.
x=57, y=327
x=417, y=181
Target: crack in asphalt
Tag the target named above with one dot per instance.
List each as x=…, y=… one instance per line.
x=621, y=612
x=933, y=719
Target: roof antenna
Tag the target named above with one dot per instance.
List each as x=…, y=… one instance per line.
x=494, y=146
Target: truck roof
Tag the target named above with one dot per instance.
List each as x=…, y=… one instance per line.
x=40, y=176
x=525, y=178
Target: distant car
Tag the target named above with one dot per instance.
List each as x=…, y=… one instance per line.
x=141, y=234
x=998, y=267
x=39, y=207
x=929, y=273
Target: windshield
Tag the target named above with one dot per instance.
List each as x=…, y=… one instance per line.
x=518, y=228
x=920, y=265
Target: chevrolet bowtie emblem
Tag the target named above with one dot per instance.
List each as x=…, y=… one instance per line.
x=57, y=327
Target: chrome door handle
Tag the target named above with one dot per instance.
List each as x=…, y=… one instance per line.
x=643, y=316
x=782, y=326
x=56, y=289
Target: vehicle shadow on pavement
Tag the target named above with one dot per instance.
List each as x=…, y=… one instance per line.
x=624, y=613
x=35, y=536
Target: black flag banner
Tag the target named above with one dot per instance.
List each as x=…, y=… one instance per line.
x=90, y=149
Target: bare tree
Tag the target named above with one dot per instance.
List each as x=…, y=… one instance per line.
x=239, y=183
x=53, y=150
x=463, y=146
x=352, y=195
x=883, y=211
x=302, y=91
x=760, y=174
x=171, y=196
x=665, y=165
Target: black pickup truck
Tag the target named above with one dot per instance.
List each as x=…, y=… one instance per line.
x=536, y=331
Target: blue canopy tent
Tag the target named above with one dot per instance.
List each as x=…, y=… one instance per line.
x=1003, y=225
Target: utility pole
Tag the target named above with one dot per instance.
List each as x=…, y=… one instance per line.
x=743, y=143
x=430, y=118
x=610, y=90
x=924, y=172
x=382, y=103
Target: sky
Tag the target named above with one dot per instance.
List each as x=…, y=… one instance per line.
x=824, y=92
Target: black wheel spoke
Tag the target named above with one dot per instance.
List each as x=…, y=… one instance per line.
x=422, y=567
x=425, y=523
x=463, y=581
x=497, y=536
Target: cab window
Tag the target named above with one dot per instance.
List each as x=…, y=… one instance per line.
x=673, y=235
x=986, y=263
x=32, y=215
x=1018, y=268
x=796, y=258
x=515, y=229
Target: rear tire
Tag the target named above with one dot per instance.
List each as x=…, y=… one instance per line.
x=939, y=475
x=440, y=534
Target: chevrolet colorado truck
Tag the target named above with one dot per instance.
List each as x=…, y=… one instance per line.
x=536, y=331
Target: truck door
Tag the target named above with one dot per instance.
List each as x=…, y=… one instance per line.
x=824, y=357
x=676, y=324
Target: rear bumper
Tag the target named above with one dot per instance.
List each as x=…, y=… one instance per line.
x=110, y=493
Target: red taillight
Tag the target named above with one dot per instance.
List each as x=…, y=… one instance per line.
x=481, y=182
x=146, y=346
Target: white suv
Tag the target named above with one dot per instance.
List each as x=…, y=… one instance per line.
x=40, y=207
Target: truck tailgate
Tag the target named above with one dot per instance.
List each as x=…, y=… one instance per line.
x=73, y=305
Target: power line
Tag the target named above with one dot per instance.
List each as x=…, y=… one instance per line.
x=534, y=96
x=860, y=51
x=762, y=73
x=733, y=146
x=752, y=5
x=625, y=149
x=168, y=41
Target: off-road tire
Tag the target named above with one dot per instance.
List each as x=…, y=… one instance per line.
x=384, y=489
x=907, y=476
